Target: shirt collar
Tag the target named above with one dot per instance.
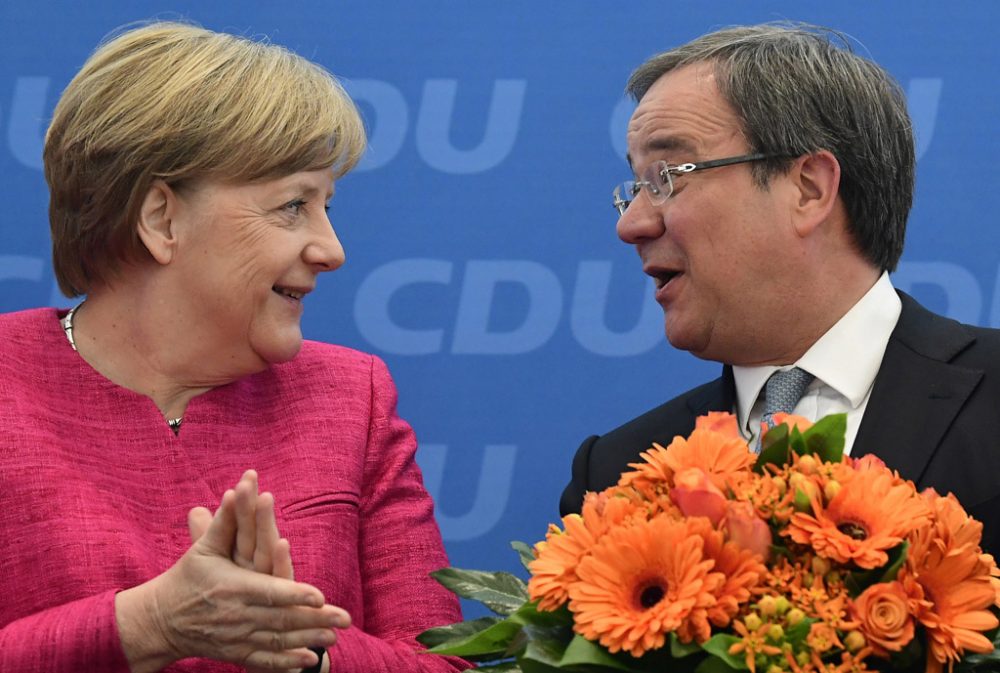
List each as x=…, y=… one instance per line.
x=846, y=358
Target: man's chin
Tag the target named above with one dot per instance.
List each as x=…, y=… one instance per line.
x=683, y=338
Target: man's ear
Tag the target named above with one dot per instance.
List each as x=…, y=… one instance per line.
x=817, y=179
x=156, y=221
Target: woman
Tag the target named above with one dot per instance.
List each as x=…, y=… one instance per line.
x=189, y=174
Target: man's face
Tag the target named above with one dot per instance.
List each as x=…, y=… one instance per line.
x=715, y=248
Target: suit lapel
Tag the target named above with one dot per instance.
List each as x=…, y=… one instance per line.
x=918, y=392
x=719, y=397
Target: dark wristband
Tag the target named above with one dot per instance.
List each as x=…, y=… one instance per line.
x=319, y=652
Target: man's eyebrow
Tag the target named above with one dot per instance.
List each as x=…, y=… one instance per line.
x=665, y=144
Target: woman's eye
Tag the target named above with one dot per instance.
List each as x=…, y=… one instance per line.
x=294, y=207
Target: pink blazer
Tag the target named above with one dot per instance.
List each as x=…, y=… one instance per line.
x=95, y=490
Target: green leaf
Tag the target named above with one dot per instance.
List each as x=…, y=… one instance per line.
x=583, y=652
x=796, y=634
x=897, y=556
x=719, y=644
x=797, y=442
x=455, y=632
x=982, y=663
x=529, y=614
x=502, y=667
x=825, y=438
x=500, y=591
x=679, y=650
x=546, y=644
x=859, y=580
x=774, y=448
x=524, y=552
x=490, y=643
x=716, y=665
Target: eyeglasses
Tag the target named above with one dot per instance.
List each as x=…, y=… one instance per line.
x=659, y=182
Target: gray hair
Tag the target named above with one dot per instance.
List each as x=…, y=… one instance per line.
x=799, y=89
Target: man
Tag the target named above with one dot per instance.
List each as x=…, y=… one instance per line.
x=773, y=178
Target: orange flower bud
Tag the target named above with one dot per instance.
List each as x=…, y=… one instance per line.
x=696, y=495
x=883, y=612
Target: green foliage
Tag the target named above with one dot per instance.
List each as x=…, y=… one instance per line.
x=501, y=667
x=716, y=665
x=583, y=652
x=454, y=633
x=983, y=663
x=860, y=580
x=825, y=440
x=679, y=650
x=718, y=646
x=797, y=634
x=524, y=552
x=486, y=645
x=501, y=592
x=773, y=448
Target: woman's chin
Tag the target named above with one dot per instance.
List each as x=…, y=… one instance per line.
x=276, y=351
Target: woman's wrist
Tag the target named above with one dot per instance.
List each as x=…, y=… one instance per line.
x=140, y=630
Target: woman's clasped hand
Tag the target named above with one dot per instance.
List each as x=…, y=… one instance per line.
x=231, y=597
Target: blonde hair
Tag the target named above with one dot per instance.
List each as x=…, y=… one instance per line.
x=179, y=103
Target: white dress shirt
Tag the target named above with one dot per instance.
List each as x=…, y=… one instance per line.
x=844, y=361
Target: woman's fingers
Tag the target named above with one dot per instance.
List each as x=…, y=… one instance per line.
x=281, y=641
x=199, y=519
x=283, y=560
x=246, y=520
x=264, y=659
x=220, y=535
x=267, y=534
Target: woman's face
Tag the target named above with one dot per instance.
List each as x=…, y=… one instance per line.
x=246, y=255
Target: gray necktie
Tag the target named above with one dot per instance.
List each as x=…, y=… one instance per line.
x=782, y=392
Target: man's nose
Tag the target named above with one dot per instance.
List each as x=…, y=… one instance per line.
x=640, y=221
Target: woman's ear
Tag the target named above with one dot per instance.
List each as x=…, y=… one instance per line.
x=817, y=178
x=156, y=221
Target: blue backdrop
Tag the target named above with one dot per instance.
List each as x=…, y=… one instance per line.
x=483, y=264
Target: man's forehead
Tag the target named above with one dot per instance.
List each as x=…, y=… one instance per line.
x=679, y=112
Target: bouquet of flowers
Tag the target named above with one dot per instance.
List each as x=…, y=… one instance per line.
x=709, y=558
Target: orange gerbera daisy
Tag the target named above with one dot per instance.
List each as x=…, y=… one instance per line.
x=957, y=580
x=718, y=454
x=554, y=567
x=641, y=582
x=742, y=570
x=870, y=514
x=955, y=612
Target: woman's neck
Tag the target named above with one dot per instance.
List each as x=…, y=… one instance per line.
x=134, y=345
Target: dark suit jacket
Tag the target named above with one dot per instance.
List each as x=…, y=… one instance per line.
x=934, y=415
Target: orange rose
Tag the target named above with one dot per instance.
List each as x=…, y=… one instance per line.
x=746, y=529
x=884, y=616
x=696, y=495
x=719, y=421
x=792, y=421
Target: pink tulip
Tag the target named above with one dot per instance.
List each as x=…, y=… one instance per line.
x=746, y=529
x=696, y=495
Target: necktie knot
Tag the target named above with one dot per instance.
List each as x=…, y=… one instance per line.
x=783, y=391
